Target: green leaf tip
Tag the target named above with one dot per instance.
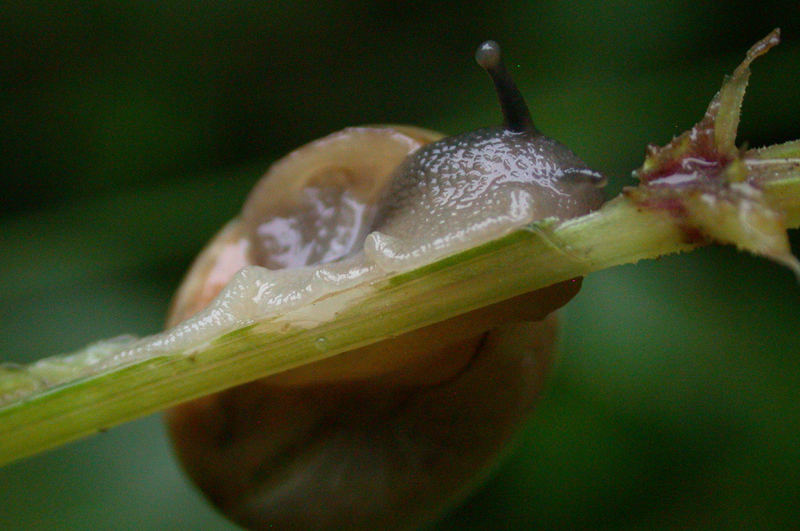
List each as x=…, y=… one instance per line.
x=716, y=190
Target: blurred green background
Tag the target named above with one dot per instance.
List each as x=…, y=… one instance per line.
x=131, y=131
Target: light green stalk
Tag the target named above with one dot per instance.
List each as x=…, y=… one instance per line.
x=540, y=255
x=749, y=198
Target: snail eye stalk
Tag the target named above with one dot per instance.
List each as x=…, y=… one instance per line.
x=516, y=116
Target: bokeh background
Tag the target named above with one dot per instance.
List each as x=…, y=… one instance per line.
x=131, y=131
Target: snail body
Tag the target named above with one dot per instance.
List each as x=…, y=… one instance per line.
x=384, y=436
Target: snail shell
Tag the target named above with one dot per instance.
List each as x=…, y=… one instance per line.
x=384, y=436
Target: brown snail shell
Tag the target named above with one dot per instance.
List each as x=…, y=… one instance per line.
x=384, y=436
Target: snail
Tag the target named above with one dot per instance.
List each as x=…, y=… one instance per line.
x=387, y=435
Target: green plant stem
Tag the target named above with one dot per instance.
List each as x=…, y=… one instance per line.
x=537, y=256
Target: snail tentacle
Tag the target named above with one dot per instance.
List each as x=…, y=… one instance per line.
x=516, y=116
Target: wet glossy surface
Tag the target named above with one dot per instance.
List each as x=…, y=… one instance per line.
x=448, y=196
x=331, y=225
x=317, y=204
x=477, y=186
